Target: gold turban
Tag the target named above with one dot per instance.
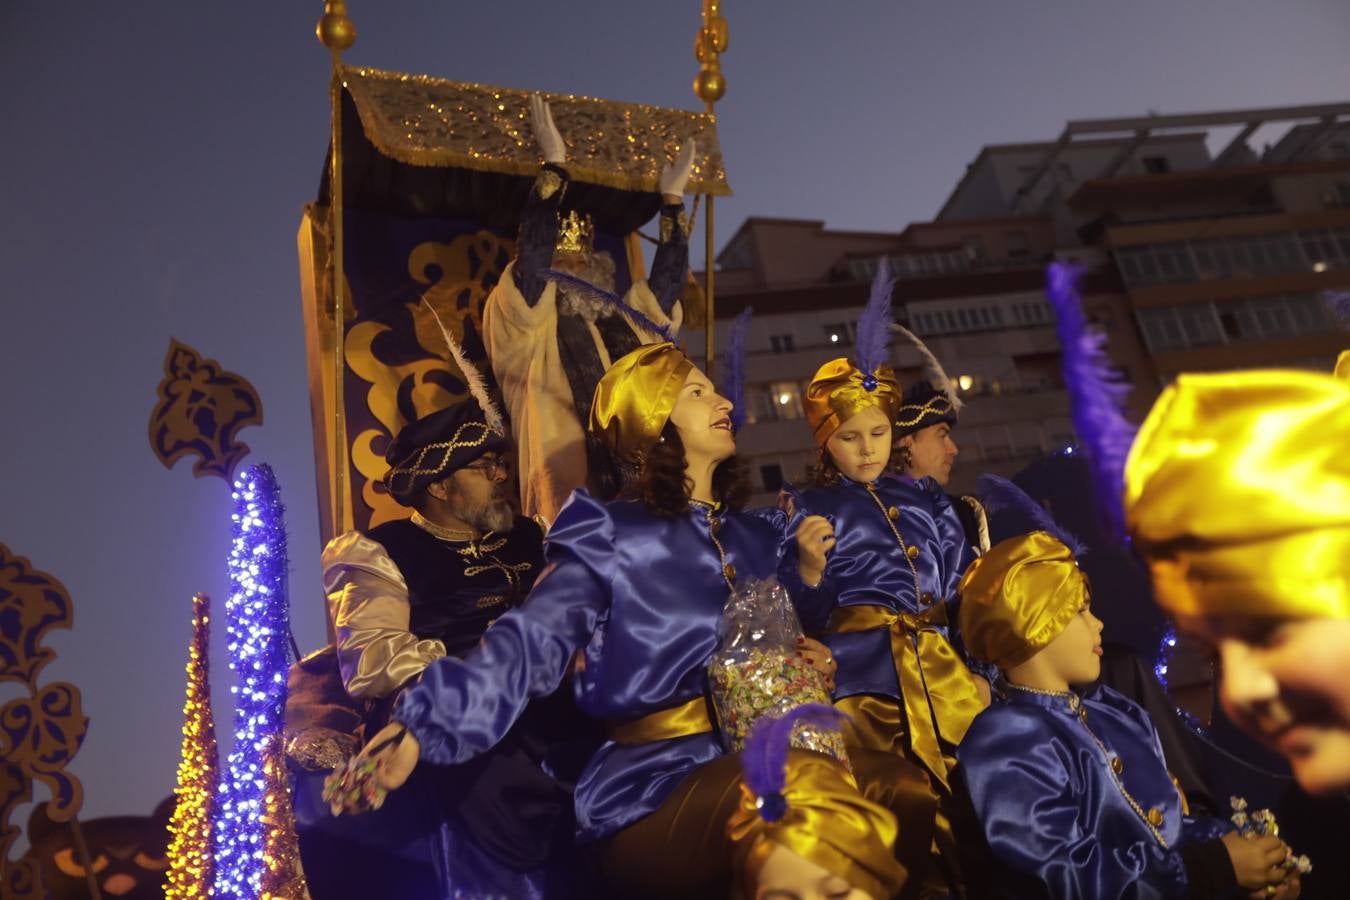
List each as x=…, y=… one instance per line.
x=634, y=398
x=840, y=390
x=827, y=822
x=1343, y=365
x=1237, y=493
x=1018, y=597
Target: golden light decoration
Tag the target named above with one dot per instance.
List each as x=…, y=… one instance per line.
x=282, y=876
x=190, y=872
x=709, y=84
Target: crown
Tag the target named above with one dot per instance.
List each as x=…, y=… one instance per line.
x=576, y=234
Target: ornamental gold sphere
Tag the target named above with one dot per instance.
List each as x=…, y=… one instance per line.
x=335, y=30
x=709, y=86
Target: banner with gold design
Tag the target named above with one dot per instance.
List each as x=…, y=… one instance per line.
x=435, y=175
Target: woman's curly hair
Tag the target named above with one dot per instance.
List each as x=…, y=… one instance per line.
x=661, y=484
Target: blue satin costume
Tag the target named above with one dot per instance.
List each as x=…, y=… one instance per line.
x=643, y=596
x=1075, y=800
x=867, y=566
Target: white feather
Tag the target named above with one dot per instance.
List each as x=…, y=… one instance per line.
x=936, y=374
x=478, y=388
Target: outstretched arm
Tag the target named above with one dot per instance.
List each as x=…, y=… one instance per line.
x=672, y=253
x=539, y=220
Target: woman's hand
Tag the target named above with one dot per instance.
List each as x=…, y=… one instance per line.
x=818, y=657
x=815, y=539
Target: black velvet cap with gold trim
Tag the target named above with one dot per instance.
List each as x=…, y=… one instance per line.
x=923, y=405
x=434, y=446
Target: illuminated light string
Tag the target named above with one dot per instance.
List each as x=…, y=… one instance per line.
x=252, y=807
x=190, y=862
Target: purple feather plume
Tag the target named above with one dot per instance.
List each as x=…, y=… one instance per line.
x=1096, y=392
x=733, y=362
x=764, y=759
x=583, y=286
x=874, y=325
x=1339, y=304
x=998, y=494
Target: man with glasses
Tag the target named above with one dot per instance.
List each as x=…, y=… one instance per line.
x=406, y=593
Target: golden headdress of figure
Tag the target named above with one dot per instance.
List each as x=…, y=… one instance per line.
x=1018, y=597
x=840, y=390
x=1237, y=493
x=810, y=804
x=576, y=234
x=635, y=396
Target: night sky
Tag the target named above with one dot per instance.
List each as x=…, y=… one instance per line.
x=155, y=158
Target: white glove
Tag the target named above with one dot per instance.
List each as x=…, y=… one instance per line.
x=675, y=175
x=545, y=132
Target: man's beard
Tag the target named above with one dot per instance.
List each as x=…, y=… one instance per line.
x=494, y=515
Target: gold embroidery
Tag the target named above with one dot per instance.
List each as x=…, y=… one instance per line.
x=440, y=532
x=428, y=121
x=936, y=404
x=490, y=600
x=434, y=458
x=911, y=552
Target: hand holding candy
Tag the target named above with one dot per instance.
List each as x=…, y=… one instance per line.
x=382, y=766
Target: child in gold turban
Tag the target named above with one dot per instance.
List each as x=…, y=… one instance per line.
x=1071, y=790
x=1236, y=492
x=897, y=552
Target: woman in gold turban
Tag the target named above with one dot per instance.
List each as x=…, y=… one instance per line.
x=638, y=585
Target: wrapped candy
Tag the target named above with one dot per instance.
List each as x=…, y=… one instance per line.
x=1260, y=823
x=756, y=672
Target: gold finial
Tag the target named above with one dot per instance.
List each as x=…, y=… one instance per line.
x=709, y=84
x=576, y=234
x=335, y=30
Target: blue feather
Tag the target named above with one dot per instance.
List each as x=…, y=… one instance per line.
x=733, y=359
x=764, y=759
x=873, y=347
x=585, y=287
x=1096, y=393
x=999, y=494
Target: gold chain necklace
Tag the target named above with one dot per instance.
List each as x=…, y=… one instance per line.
x=709, y=512
x=440, y=531
x=909, y=551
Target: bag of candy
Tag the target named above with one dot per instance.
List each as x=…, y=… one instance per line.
x=756, y=671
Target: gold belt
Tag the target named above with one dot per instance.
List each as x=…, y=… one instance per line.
x=690, y=717
x=937, y=691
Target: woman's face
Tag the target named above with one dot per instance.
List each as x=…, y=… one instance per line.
x=1287, y=683
x=787, y=876
x=702, y=418
x=861, y=447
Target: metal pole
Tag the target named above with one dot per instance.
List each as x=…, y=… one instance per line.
x=337, y=33
x=709, y=86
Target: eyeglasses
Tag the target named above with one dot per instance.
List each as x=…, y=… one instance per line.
x=491, y=467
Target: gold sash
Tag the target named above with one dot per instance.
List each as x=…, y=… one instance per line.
x=690, y=717
x=937, y=690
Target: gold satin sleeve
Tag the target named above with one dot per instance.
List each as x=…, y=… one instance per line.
x=368, y=603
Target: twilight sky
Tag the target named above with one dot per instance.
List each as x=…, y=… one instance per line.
x=155, y=158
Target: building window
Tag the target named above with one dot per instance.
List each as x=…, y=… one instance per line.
x=771, y=476
x=1156, y=165
x=781, y=343
x=1016, y=243
x=837, y=333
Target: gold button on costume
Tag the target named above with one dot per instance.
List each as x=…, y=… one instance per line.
x=1237, y=492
